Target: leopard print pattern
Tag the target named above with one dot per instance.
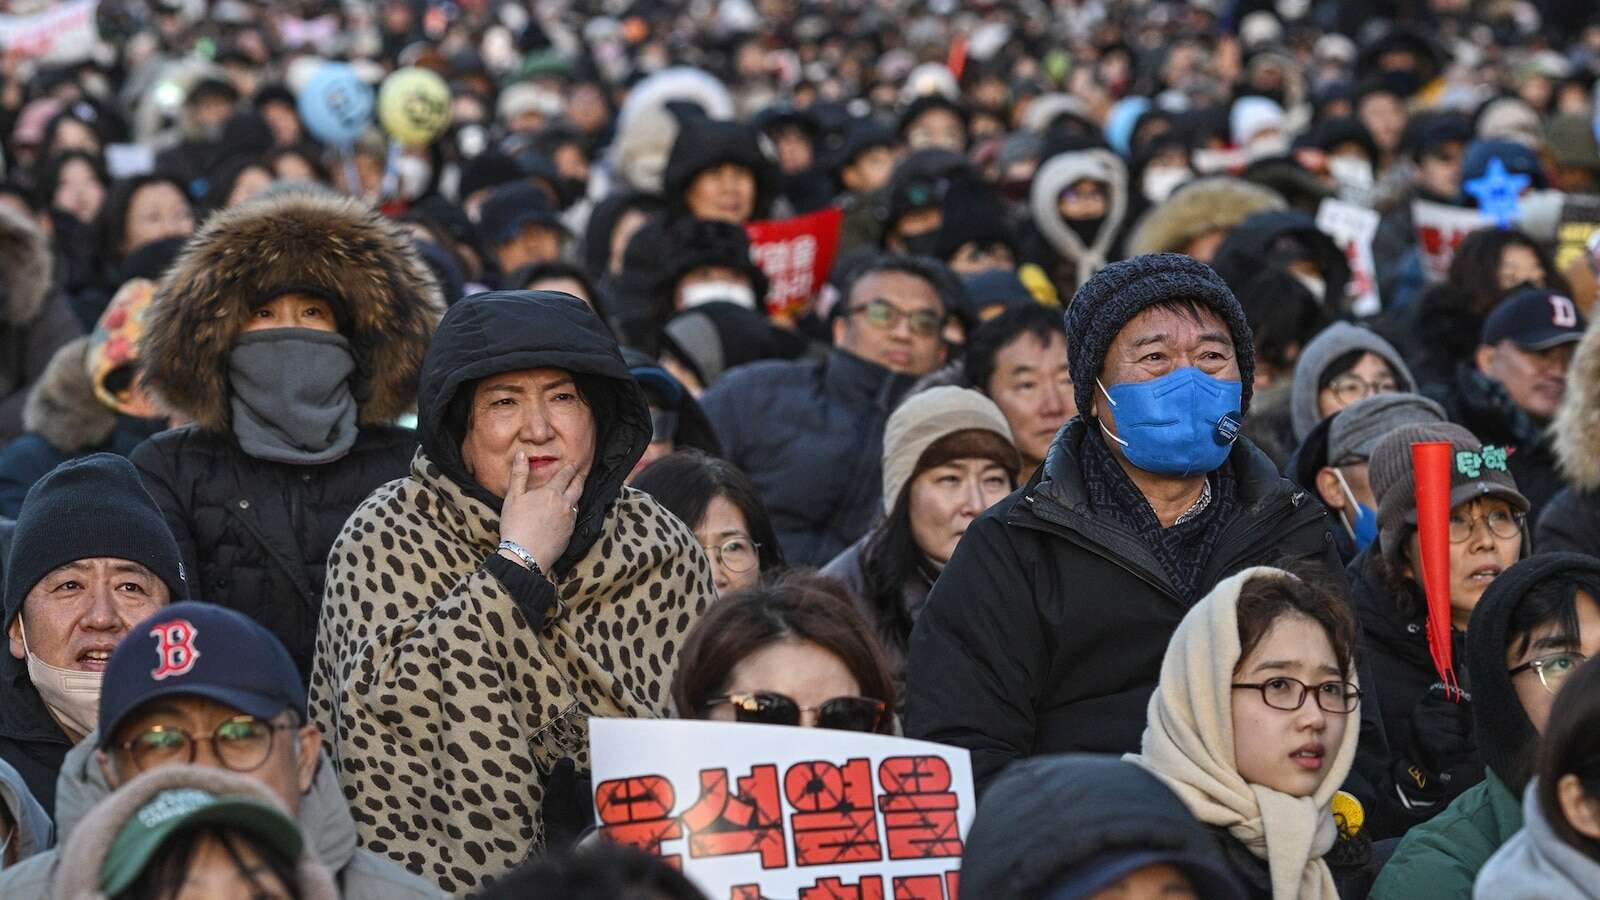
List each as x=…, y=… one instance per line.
x=444, y=710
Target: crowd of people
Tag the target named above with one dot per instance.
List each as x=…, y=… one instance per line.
x=342, y=481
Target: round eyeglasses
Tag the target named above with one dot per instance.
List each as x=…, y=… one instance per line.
x=1289, y=694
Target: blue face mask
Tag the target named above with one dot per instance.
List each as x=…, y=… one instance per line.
x=1180, y=424
x=1364, y=530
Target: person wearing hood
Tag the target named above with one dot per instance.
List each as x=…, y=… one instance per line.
x=1556, y=855
x=676, y=420
x=934, y=121
x=1529, y=633
x=290, y=367
x=1254, y=726
x=980, y=239
x=1128, y=505
x=1511, y=388
x=1078, y=201
x=809, y=432
x=1086, y=827
x=35, y=320
x=1333, y=462
x=692, y=263
x=89, y=400
x=913, y=211
x=195, y=671
x=947, y=457
x=1343, y=364
x=717, y=171
x=521, y=227
x=25, y=828
x=507, y=595
x=1197, y=216
x=795, y=135
x=1288, y=240
x=90, y=558
x=863, y=166
x=1284, y=318
x=1427, y=752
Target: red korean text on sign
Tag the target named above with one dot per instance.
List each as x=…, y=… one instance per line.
x=638, y=812
x=747, y=820
x=919, y=809
x=834, y=821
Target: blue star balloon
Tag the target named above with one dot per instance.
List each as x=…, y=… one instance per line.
x=1497, y=191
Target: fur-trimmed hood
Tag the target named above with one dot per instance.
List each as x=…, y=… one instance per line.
x=1576, y=427
x=1206, y=204
x=62, y=407
x=25, y=260
x=387, y=300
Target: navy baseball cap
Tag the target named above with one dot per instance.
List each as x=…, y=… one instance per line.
x=1209, y=880
x=199, y=650
x=1534, y=319
x=512, y=206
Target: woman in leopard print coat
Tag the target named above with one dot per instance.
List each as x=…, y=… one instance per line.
x=454, y=680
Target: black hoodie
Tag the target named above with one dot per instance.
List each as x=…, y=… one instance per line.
x=508, y=331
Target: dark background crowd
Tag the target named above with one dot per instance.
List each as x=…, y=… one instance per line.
x=348, y=467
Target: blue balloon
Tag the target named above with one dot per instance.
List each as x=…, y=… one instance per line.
x=335, y=104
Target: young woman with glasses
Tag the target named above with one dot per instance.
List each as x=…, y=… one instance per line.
x=722, y=507
x=794, y=652
x=1254, y=726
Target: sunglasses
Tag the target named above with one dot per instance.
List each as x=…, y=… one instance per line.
x=772, y=708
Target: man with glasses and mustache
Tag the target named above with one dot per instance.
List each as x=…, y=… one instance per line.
x=809, y=433
x=199, y=684
x=1536, y=624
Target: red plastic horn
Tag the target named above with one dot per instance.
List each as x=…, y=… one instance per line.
x=1430, y=463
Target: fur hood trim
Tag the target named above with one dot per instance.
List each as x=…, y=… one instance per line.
x=26, y=260
x=387, y=299
x=1576, y=428
x=1207, y=204
x=62, y=407
x=1055, y=176
x=85, y=852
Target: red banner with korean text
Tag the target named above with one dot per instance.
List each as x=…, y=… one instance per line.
x=754, y=811
x=797, y=255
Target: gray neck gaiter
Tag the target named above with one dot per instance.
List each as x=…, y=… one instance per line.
x=291, y=395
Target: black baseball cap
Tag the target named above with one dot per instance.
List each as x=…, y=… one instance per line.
x=1534, y=319
x=199, y=650
x=513, y=206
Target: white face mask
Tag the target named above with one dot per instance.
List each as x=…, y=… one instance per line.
x=73, y=697
x=1316, y=285
x=708, y=291
x=414, y=174
x=1350, y=172
x=1161, y=182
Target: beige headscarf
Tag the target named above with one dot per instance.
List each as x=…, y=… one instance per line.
x=1188, y=743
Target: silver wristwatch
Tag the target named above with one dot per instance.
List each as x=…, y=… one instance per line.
x=521, y=552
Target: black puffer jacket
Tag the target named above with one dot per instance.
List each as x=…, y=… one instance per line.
x=257, y=533
x=1393, y=648
x=1484, y=408
x=30, y=739
x=1045, y=632
x=810, y=435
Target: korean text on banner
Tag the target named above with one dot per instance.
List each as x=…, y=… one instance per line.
x=1440, y=229
x=796, y=255
x=759, y=811
x=1580, y=221
x=1352, y=227
x=60, y=34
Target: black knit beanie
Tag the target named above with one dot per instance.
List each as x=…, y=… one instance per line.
x=84, y=508
x=1506, y=737
x=1124, y=289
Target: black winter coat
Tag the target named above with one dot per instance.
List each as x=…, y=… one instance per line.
x=1571, y=521
x=810, y=435
x=1398, y=670
x=30, y=739
x=1045, y=632
x=256, y=534
x=1485, y=409
x=1353, y=877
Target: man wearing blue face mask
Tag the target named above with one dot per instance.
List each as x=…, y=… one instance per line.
x=1045, y=631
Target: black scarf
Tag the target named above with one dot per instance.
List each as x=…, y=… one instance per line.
x=1183, y=549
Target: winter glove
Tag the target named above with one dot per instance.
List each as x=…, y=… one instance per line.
x=1442, y=756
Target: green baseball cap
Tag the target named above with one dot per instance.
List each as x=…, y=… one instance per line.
x=173, y=812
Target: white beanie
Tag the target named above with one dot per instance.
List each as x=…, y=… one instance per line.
x=1252, y=115
x=927, y=417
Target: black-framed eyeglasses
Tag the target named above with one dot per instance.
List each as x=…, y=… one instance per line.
x=773, y=708
x=1289, y=694
x=1502, y=524
x=242, y=744
x=735, y=554
x=1350, y=388
x=881, y=313
x=1553, y=669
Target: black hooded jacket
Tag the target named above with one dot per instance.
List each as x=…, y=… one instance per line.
x=704, y=143
x=1046, y=630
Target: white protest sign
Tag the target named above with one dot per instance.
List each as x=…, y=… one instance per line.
x=1353, y=227
x=63, y=33
x=766, y=811
x=1440, y=229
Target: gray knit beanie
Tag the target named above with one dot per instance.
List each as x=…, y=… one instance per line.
x=1124, y=289
x=1475, y=471
x=1357, y=428
x=1331, y=343
x=926, y=418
